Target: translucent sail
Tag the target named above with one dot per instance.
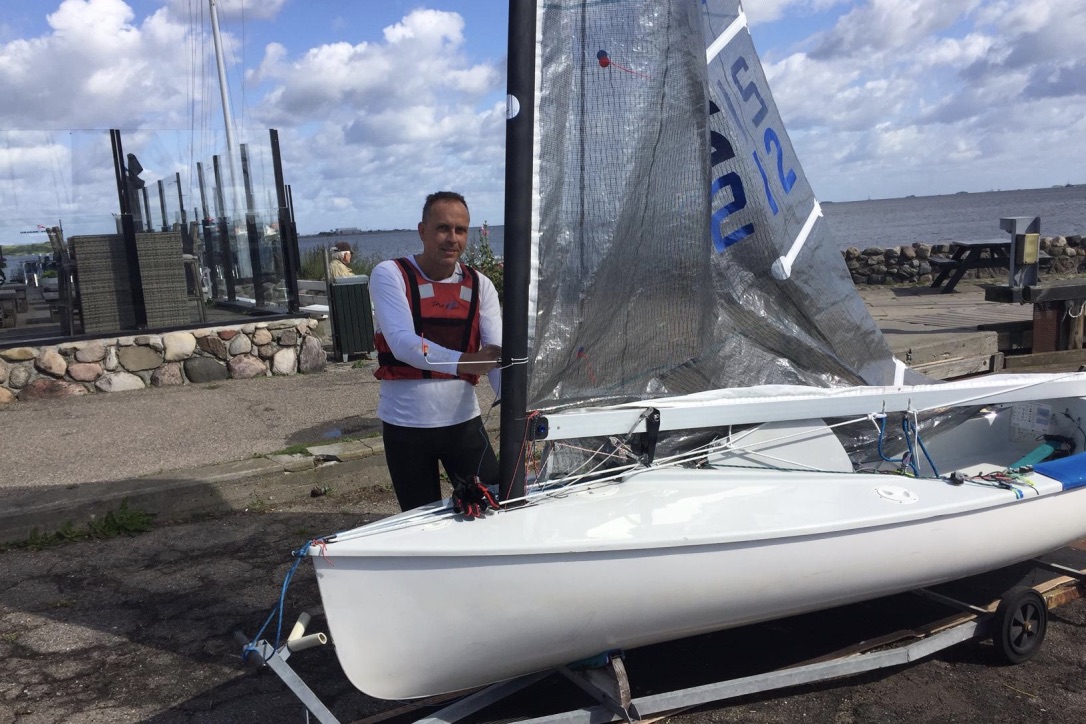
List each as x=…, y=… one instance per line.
x=678, y=245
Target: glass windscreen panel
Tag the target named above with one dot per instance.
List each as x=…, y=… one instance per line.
x=204, y=229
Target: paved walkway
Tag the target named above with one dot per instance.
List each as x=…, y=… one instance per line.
x=195, y=448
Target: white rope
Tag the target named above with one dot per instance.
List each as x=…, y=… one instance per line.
x=980, y=398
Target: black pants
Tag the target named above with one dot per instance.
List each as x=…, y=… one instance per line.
x=412, y=454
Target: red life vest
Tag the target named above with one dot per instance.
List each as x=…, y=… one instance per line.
x=448, y=316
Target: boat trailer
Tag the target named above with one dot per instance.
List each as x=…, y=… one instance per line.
x=1016, y=623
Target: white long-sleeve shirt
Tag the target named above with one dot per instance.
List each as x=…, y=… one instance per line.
x=433, y=402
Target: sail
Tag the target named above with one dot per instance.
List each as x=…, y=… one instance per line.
x=677, y=245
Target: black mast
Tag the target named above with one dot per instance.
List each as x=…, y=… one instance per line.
x=517, y=247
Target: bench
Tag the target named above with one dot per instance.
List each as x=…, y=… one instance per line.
x=20, y=296
x=312, y=292
x=9, y=308
x=977, y=254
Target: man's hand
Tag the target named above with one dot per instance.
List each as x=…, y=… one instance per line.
x=481, y=362
x=471, y=498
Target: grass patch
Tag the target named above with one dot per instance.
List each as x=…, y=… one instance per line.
x=257, y=504
x=124, y=521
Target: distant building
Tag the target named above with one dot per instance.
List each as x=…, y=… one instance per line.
x=349, y=230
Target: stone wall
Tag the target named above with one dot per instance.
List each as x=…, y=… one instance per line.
x=911, y=265
x=116, y=364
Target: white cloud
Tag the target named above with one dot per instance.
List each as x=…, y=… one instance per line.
x=882, y=27
x=95, y=68
x=935, y=96
x=394, y=118
x=765, y=11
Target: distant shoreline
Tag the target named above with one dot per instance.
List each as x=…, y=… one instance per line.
x=921, y=197
x=909, y=197
x=357, y=232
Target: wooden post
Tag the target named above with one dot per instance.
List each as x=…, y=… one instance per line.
x=1076, y=306
x=1046, y=326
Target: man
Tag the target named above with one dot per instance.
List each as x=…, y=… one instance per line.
x=341, y=260
x=438, y=328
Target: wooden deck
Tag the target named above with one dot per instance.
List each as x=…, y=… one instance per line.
x=954, y=335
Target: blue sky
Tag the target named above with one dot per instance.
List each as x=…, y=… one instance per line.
x=379, y=101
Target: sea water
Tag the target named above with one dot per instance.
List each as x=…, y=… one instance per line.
x=879, y=223
x=956, y=217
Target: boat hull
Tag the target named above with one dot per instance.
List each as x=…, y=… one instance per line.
x=415, y=624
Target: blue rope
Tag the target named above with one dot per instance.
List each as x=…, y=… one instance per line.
x=908, y=458
x=299, y=555
x=931, y=462
x=906, y=429
x=909, y=428
x=882, y=431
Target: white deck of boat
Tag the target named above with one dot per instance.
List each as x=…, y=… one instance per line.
x=681, y=507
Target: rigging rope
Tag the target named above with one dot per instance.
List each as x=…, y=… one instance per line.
x=278, y=609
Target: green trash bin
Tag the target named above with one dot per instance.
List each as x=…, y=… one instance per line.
x=352, y=316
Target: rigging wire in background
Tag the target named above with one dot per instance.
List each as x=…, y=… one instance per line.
x=258, y=159
x=205, y=92
x=243, y=120
x=191, y=88
x=204, y=143
x=200, y=144
x=57, y=173
x=11, y=169
x=53, y=145
x=236, y=68
x=241, y=71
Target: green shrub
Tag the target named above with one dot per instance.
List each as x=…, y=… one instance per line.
x=365, y=264
x=480, y=256
x=312, y=264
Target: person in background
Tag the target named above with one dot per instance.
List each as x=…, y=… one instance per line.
x=341, y=260
x=437, y=329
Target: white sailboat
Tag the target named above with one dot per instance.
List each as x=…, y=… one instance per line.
x=672, y=298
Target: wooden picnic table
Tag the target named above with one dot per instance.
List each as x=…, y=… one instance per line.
x=966, y=255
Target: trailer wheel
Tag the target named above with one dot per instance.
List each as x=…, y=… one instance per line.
x=1021, y=621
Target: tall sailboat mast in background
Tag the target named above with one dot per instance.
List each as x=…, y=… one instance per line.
x=519, y=135
x=224, y=93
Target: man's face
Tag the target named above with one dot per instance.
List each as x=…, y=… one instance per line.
x=444, y=234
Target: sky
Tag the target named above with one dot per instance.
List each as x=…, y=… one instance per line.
x=378, y=102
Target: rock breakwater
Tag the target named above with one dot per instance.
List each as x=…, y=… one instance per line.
x=912, y=264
